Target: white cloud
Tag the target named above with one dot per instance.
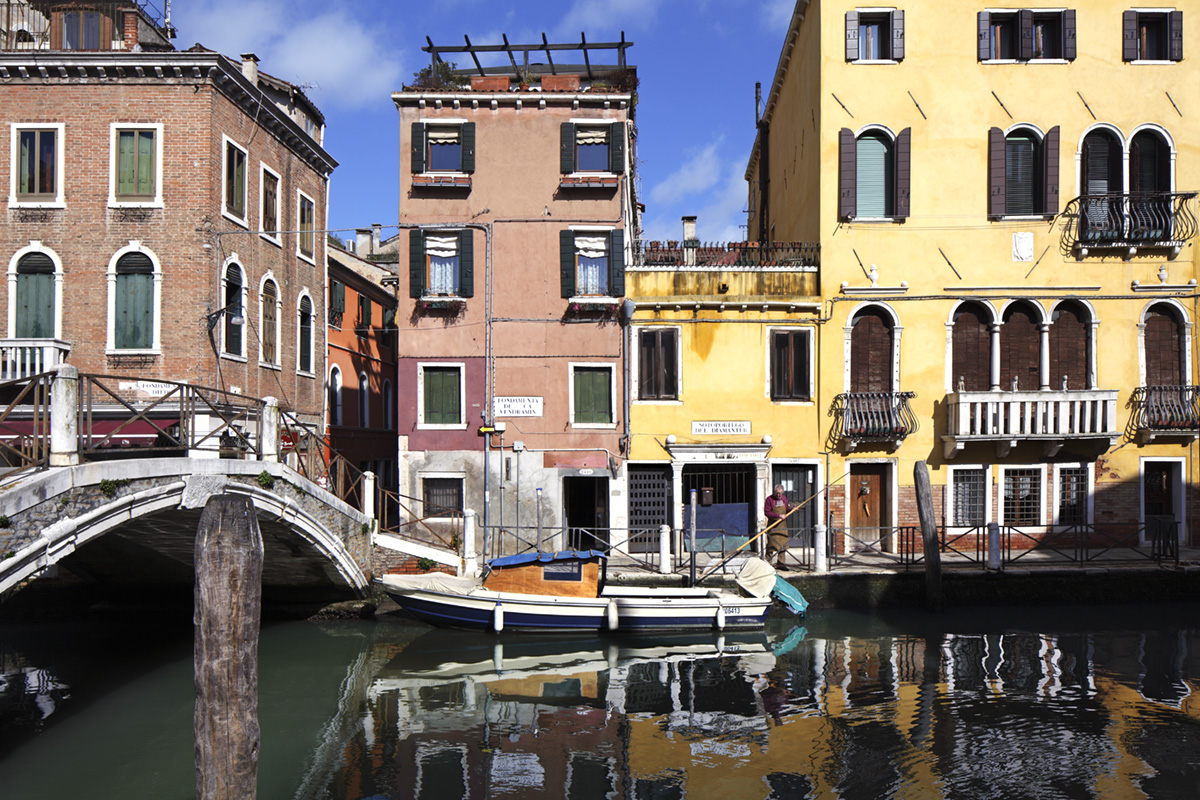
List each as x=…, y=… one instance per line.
x=697, y=174
x=776, y=14
x=720, y=213
x=606, y=15
x=354, y=65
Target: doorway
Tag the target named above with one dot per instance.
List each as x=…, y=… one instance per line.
x=585, y=512
x=869, y=507
x=1162, y=494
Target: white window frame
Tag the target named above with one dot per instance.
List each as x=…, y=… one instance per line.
x=113, y=129
x=15, y=129
x=437, y=122
x=364, y=400
x=872, y=11
x=989, y=490
x=847, y=331
x=234, y=260
x=301, y=197
x=439, y=475
x=593, y=230
x=274, y=238
x=243, y=221
x=262, y=322
x=1164, y=11
x=612, y=393
x=636, y=352
x=1042, y=495
x=593, y=122
x=1039, y=153
x=462, y=395
x=1090, y=466
x=767, y=386
x=891, y=136
x=110, y=347
x=312, y=334
x=1188, y=330
x=35, y=246
x=1179, y=490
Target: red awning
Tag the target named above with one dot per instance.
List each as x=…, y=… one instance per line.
x=138, y=433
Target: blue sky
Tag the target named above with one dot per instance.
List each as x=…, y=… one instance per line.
x=697, y=62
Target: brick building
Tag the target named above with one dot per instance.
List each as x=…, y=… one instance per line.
x=162, y=208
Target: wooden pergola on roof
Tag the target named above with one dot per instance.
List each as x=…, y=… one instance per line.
x=583, y=46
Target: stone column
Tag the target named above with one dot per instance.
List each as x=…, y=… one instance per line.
x=64, y=417
x=368, y=494
x=1044, y=358
x=269, y=434
x=470, y=566
x=995, y=376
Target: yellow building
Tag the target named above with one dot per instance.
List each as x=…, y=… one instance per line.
x=1006, y=285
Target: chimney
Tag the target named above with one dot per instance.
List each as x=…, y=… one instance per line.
x=375, y=226
x=129, y=31
x=250, y=67
x=689, y=241
x=362, y=242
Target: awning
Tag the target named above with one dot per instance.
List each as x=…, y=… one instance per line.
x=138, y=433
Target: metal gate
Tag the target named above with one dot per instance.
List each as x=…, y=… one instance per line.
x=649, y=505
x=799, y=483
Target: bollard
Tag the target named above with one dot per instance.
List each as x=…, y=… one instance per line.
x=539, y=519
x=692, y=539
x=64, y=417
x=820, y=549
x=993, y=546
x=664, y=549
x=270, y=429
x=468, y=566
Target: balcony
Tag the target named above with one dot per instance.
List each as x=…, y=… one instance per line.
x=725, y=275
x=1166, y=411
x=872, y=417
x=1009, y=418
x=1118, y=221
x=24, y=358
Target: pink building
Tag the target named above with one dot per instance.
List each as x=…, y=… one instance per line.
x=517, y=203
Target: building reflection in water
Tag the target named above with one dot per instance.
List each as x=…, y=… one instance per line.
x=785, y=715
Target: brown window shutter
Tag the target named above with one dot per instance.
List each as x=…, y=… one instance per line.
x=1050, y=159
x=1163, y=354
x=1025, y=27
x=851, y=35
x=971, y=342
x=1068, y=25
x=1175, y=35
x=985, y=36
x=903, y=173
x=996, y=184
x=1069, y=348
x=847, y=174
x=1129, y=42
x=1019, y=345
x=56, y=30
x=870, y=353
x=897, y=35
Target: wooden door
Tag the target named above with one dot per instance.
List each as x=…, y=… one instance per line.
x=1158, y=495
x=869, y=504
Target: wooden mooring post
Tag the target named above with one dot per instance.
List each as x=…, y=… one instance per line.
x=929, y=537
x=228, y=600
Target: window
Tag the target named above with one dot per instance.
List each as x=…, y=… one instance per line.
x=233, y=318
x=876, y=35
x=592, y=263
x=335, y=396
x=1070, y=347
x=443, y=147
x=441, y=263
x=36, y=296
x=388, y=331
x=872, y=346
x=1020, y=345
x=440, y=396
x=306, y=244
x=873, y=174
x=968, y=501
x=364, y=401
x=1022, y=172
x=269, y=323
x=1163, y=346
x=1022, y=496
x=235, y=182
x=268, y=213
x=1073, y=483
x=586, y=146
x=37, y=153
x=337, y=303
x=1026, y=35
x=136, y=160
x=790, y=359
x=591, y=394
x=442, y=497
x=362, y=326
x=81, y=30
x=1152, y=36
x=971, y=342
x=134, y=303
x=658, y=350
x=389, y=406
x=304, y=349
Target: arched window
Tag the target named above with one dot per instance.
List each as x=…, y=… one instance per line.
x=305, y=329
x=1163, y=346
x=335, y=396
x=871, y=351
x=873, y=174
x=269, y=323
x=1022, y=172
x=364, y=401
x=1150, y=211
x=36, y=297
x=234, y=317
x=389, y=406
x=971, y=340
x=1019, y=349
x=1101, y=182
x=1070, y=348
x=133, y=323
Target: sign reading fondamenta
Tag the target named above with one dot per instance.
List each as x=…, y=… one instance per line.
x=517, y=406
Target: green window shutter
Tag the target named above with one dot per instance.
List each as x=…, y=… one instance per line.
x=442, y=396
x=566, y=266
x=467, y=137
x=35, y=297
x=566, y=144
x=306, y=322
x=337, y=297
x=873, y=179
x=593, y=401
x=416, y=262
x=616, y=263
x=145, y=170
x=133, y=327
x=418, y=147
x=616, y=148
x=466, y=263
x=126, y=160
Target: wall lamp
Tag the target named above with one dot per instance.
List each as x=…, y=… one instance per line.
x=233, y=308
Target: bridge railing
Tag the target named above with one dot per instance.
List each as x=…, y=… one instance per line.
x=25, y=424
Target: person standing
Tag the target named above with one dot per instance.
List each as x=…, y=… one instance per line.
x=776, y=508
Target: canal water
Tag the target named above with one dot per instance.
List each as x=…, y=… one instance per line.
x=999, y=703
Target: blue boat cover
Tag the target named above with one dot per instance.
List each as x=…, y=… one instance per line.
x=529, y=558
x=790, y=596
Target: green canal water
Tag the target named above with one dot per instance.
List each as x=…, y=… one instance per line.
x=998, y=703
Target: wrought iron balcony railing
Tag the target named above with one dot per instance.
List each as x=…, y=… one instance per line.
x=727, y=254
x=1166, y=410
x=1129, y=220
x=872, y=417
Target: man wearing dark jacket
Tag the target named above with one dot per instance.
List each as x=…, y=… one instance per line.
x=776, y=508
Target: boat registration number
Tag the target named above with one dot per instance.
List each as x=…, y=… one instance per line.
x=733, y=610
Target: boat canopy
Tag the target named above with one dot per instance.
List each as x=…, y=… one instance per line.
x=561, y=555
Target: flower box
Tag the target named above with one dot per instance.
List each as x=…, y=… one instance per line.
x=489, y=83
x=450, y=181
